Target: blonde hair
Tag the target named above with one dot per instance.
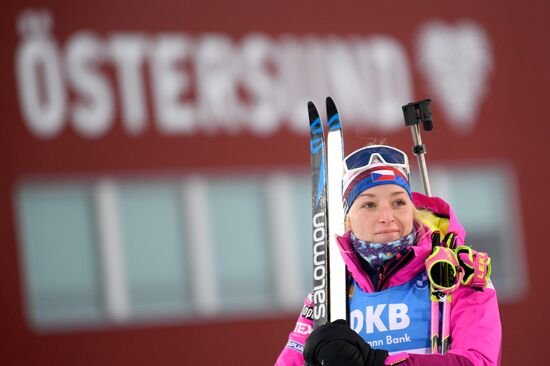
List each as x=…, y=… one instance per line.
x=420, y=220
x=377, y=141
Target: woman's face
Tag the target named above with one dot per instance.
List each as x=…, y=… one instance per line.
x=381, y=214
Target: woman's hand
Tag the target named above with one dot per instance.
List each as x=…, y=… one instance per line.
x=336, y=344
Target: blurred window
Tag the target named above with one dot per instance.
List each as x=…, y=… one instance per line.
x=302, y=209
x=202, y=247
x=152, y=235
x=241, y=243
x=61, y=266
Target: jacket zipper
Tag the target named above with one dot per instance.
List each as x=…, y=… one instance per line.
x=383, y=279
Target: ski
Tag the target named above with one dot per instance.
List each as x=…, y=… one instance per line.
x=329, y=273
x=319, y=217
x=335, y=170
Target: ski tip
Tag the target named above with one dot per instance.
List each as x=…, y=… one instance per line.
x=330, y=102
x=331, y=107
x=311, y=107
x=332, y=115
x=312, y=111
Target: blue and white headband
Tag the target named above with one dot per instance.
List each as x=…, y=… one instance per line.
x=378, y=175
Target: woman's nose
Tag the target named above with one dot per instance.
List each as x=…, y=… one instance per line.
x=385, y=214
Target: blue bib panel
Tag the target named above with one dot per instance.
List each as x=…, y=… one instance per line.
x=396, y=319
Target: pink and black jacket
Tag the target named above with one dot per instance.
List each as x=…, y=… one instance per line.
x=395, y=315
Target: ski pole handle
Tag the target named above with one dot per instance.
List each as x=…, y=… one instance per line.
x=414, y=113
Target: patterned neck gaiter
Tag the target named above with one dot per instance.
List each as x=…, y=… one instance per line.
x=378, y=253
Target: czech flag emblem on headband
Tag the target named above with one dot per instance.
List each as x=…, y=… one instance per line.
x=368, y=178
x=383, y=175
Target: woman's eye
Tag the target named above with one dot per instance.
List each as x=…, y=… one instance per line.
x=369, y=205
x=399, y=203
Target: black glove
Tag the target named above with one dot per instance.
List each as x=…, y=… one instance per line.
x=335, y=344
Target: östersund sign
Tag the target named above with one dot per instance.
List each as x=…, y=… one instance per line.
x=183, y=84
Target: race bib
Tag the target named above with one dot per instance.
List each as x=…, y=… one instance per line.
x=396, y=319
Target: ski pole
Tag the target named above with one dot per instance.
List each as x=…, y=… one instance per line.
x=414, y=114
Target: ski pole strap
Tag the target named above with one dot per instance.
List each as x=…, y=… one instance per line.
x=476, y=265
x=449, y=240
x=443, y=270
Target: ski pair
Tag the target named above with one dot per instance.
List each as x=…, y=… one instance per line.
x=329, y=272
